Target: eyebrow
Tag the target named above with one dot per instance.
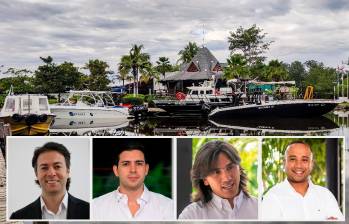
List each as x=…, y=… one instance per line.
x=46, y=164
x=217, y=168
x=128, y=161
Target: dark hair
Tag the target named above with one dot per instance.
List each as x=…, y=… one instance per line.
x=129, y=146
x=204, y=160
x=48, y=147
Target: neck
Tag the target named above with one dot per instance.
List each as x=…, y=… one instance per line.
x=132, y=194
x=300, y=187
x=53, y=200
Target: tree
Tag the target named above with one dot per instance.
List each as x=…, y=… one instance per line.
x=52, y=78
x=98, y=78
x=237, y=67
x=188, y=52
x=123, y=76
x=296, y=72
x=321, y=78
x=163, y=66
x=275, y=71
x=136, y=62
x=20, y=79
x=250, y=42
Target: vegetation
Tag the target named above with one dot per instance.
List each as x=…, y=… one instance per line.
x=248, y=148
x=188, y=52
x=273, y=150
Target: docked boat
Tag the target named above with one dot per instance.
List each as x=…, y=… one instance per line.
x=27, y=114
x=199, y=100
x=89, y=104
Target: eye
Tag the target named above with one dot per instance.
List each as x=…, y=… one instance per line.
x=124, y=164
x=230, y=167
x=139, y=163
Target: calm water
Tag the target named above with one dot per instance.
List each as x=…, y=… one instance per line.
x=334, y=124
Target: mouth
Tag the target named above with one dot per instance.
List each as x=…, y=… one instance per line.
x=228, y=187
x=133, y=178
x=51, y=182
x=298, y=172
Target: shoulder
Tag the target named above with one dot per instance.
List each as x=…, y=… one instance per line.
x=276, y=189
x=193, y=211
x=323, y=191
x=159, y=197
x=105, y=198
x=77, y=201
x=31, y=211
x=251, y=200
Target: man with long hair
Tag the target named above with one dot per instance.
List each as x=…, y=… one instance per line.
x=220, y=184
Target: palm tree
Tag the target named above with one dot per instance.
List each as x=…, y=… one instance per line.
x=163, y=65
x=136, y=62
x=123, y=75
x=188, y=52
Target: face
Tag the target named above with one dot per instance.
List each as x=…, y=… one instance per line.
x=52, y=172
x=224, y=179
x=298, y=163
x=131, y=170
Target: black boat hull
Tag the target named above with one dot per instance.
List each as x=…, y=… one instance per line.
x=279, y=109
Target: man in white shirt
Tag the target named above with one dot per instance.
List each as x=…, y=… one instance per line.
x=220, y=183
x=297, y=198
x=132, y=200
x=51, y=163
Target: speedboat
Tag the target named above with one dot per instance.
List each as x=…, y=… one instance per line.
x=27, y=114
x=89, y=104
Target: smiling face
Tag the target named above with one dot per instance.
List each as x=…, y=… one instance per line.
x=298, y=163
x=224, y=178
x=52, y=172
x=131, y=170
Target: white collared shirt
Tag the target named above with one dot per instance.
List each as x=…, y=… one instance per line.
x=219, y=208
x=282, y=202
x=114, y=206
x=62, y=210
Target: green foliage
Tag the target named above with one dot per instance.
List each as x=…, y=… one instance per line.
x=188, y=52
x=273, y=150
x=248, y=149
x=137, y=63
x=237, y=67
x=130, y=99
x=98, y=78
x=321, y=78
x=296, y=72
x=275, y=71
x=163, y=65
x=250, y=42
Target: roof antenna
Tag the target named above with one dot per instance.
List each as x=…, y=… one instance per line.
x=203, y=35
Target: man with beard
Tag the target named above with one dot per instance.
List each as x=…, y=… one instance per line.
x=297, y=198
x=132, y=200
x=51, y=164
x=220, y=184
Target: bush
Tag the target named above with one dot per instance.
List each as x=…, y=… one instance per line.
x=130, y=99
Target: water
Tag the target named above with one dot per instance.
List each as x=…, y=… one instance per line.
x=334, y=124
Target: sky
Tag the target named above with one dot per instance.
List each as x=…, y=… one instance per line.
x=80, y=30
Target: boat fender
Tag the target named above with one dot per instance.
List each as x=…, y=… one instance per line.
x=17, y=117
x=43, y=117
x=31, y=119
x=180, y=96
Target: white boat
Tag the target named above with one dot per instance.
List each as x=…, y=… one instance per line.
x=89, y=104
x=28, y=114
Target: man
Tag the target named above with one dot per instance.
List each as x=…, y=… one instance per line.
x=51, y=164
x=132, y=200
x=297, y=198
x=220, y=184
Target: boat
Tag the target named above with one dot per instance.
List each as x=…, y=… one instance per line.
x=199, y=100
x=258, y=104
x=90, y=104
x=87, y=126
x=27, y=114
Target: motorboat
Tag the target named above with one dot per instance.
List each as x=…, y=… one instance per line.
x=27, y=114
x=198, y=100
x=90, y=104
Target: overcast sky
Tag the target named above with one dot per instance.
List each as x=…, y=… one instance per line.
x=79, y=30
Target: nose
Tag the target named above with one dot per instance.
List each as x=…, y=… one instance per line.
x=226, y=175
x=133, y=168
x=51, y=171
x=298, y=164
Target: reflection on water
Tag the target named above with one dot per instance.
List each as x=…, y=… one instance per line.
x=333, y=124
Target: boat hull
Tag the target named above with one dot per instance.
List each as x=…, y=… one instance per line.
x=296, y=108
x=68, y=112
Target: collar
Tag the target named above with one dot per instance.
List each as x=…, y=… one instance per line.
x=145, y=197
x=223, y=203
x=289, y=186
x=62, y=205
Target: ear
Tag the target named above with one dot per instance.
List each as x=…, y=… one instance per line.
x=146, y=168
x=115, y=170
x=206, y=182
